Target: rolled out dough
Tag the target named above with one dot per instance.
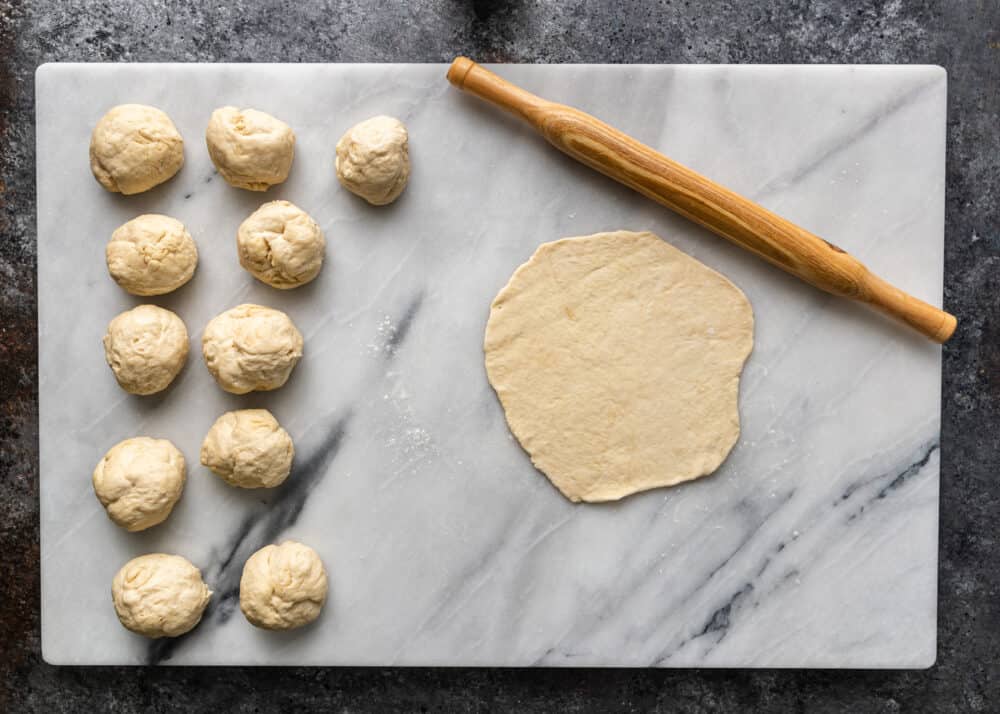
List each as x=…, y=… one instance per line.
x=617, y=360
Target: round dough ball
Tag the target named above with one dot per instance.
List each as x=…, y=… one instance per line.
x=135, y=147
x=617, y=360
x=138, y=482
x=283, y=586
x=251, y=149
x=151, y=255
x=159, y=595
x=373, y=159
x=146, y=348
x=251, y=348
x=281, y=245
x=248, y=448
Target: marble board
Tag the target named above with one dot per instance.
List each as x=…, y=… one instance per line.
x=815, y=545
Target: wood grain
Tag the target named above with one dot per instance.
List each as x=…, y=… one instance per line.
x=738, y=219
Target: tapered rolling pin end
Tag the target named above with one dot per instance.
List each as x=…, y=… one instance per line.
x=931, y=321
x=459, y=70
x=948, y=325
x=476, y=79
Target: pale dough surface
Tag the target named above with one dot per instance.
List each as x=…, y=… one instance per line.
x=135, y=147
x=139, y=480
x=248, y=448
x=373, y=159
x=152, y=254
x=159, y=595
x=283, y=586
x=617, y=360
x=250, y=149
x=251, y=348
x=281, y=245
x=146, y=348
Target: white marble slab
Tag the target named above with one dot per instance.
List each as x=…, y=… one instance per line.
x=814, y=546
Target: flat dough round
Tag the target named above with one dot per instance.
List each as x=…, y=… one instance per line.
x=617, y=360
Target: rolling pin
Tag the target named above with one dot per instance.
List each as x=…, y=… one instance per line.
x=703, y=201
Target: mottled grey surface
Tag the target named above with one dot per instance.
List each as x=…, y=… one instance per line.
x=962, y=36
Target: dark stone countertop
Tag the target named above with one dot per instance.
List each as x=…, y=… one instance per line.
x=964, y=37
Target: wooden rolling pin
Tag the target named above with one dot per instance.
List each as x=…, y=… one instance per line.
x=690, y=194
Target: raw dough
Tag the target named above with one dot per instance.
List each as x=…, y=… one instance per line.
x=159, y=595
x=283, y=586
x=251, y=149
x=135, y=147
x=146, y=348
x=281, y=245
x=373, y=159
x=617, y=360
x=251, y=348
x=248, y=448
x=151, y=255
x=138, y=481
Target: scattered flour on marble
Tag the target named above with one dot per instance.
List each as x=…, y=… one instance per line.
x=385, y=334
x=409, y=442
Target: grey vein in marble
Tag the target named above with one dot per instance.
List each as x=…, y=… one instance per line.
x=263, y=526
x=815, y=543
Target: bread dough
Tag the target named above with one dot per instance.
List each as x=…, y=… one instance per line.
x=151, y=255
x=146, y=348
x=617, y=360
x=138, y=482
x=248, y=448
x=251, y=149
x=251, y=348
x=373, y=159
x=281, y=245
x=283, y=586
x=135, y=147
x=159, y=595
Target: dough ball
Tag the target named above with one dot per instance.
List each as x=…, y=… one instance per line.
x=251, y=149
x=283, y=586
x=138, y=482
x=159, y=595
x=135, y=147
x=617, y=360
x=146, y=348
x=151, y=255
x=251, y=348
x=373, y=159
x=281, y=245
x=248, y=448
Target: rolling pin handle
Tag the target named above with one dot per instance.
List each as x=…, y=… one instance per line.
x=475, y=79
x=458, y=71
